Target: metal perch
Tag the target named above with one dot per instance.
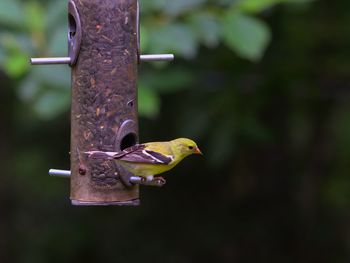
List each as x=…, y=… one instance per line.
x=133, y=179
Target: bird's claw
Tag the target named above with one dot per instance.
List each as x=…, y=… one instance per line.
x=159, y=181
x=156, y=181
x=143, y=180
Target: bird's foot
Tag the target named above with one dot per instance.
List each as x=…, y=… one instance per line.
x=149, y=180
x=143, y=180
x=159, y=180
x=140, y=180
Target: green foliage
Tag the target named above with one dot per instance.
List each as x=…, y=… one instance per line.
x=150, y=103
x=181, y=27
x=253, y=6
x=273, y=184
x=247, y=35
x=11, y=13
x=16, y=64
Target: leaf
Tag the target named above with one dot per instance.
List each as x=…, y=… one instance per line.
x=255, y=6
x=35, y=17
x=57, y=76
x=207, y=28
x=58, y=44
x=11, y=13
x=171, y=7
x=14, y=41
x=52, y=103
x=16, y=64
x=168, y=81
x=221, y=2
x=173, y=38
x=56, y=15
x=29, y=88
x=180, y=6
x=246, y=35
x=149, y=102
x=144, y=38
x=42, y=85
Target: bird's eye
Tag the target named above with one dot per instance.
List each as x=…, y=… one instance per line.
x=190, y=147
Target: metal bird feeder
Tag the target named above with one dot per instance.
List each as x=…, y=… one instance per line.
x=103, y=53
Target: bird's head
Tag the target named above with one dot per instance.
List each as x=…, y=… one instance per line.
x=185, y=147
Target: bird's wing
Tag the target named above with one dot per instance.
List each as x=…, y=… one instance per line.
x=143, y=153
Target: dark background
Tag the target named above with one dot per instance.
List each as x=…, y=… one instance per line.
x=272, y=186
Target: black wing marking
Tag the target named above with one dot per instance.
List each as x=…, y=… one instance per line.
x=162, y=158
x=133, y=149
x=138, y=154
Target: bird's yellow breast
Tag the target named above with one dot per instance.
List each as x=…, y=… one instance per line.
x=145, y=169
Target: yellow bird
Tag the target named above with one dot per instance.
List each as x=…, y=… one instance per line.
x=149, y=159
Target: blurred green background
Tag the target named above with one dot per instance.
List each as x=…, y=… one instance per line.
x=262, y=85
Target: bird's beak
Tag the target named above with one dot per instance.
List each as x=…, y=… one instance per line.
x=197, y=151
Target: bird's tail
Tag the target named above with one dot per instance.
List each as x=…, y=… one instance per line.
x=100, y=155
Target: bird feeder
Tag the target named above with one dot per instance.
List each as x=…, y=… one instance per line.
x=103, y=53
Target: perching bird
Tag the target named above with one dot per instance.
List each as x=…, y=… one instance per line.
x=149, y=159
